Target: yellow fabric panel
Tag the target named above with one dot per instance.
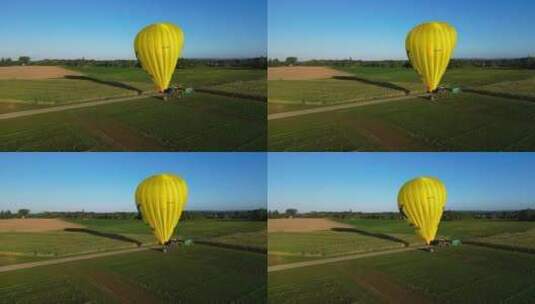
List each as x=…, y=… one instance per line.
x=161, y=200
x=422, y=200
x=429, y=48
x=158, y=47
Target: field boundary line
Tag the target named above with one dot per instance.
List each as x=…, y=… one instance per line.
x=69, y=259
x=337, y=259
x=338, y=107
x=69, y=107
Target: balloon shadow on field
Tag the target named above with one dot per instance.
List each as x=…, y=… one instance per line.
x=373, y=234
x=106, y=82
x=112, y=236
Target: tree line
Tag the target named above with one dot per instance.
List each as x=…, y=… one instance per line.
x=251, y=215
x=512, y=63
x=254, y=63
x=448, y=215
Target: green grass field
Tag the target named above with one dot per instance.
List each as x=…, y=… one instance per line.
x=201, y=122
x=324, y=92
x=462, y=122
x=57, y=91
x=525, y=239
x=464, y=77
x=197, y=274
x=252, y=87
x=193, y=274
x=463, y=274
x=324, y=243
x=123, y=234
x=189, y=77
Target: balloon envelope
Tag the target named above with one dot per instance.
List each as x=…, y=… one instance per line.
x=429, y=47
x=158, y=47
x=161, y=200
x=422, y=202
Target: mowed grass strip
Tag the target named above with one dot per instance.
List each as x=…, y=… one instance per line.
x=57, y=91
x=463, y=274
x=324, y=92
x=461, y=122
x=196, y=274
x=200, y=122
x=324, y=243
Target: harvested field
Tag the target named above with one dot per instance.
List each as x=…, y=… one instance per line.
x=35, y=225
x=303, y=225
x=34, y=72
x=303, y=73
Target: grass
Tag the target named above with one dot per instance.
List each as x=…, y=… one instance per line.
x=189, y=77
x=463, y=274
x=251, y=87
x=525, y=239
x=274, y=107
x=461, y=122
x=461, y=229
x=521, y=87
x=453, y=77
x=325, y=243
x=57, y=91
x=324, y=92
x=63, y=243
x=195, y=229
x=200, y=122
x=196, y=274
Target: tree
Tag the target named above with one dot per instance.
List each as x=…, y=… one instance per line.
x=291, y=212
x=24, y=60
x=23, y=212
x=291, y=60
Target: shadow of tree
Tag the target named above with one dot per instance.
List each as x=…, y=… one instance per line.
x=373, y=234
x=106, y=82
x=375, y=82
x=112, y=236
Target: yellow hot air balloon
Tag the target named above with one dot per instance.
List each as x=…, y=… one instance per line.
x=161, y=200
x=429, y=48
x=422, y=202
x=158, y=47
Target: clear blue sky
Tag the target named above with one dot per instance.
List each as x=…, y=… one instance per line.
x=105, y=29
x=107, y=181
x=370, y=181
x=377, y=29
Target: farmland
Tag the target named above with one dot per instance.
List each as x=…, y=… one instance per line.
x=198, y=122
x=464, y=274
x=186, y=274
x=458, y=122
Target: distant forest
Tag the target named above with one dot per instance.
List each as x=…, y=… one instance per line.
x=254, y=63
x=449, y=215
x=251, y=215
x=516, y=63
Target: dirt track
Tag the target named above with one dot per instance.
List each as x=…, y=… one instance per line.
x=302, y=225
x=34, y=72
x=303, y=73
x=336, y=107
x=337, y=259
x=34, y=225
x=68, y=259
x=69, y=107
